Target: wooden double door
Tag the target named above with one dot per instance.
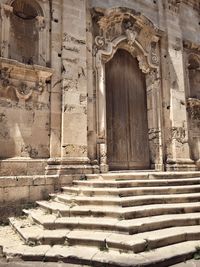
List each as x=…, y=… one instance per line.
x=126, y=109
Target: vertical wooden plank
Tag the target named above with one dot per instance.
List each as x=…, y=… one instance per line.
x=127, y=135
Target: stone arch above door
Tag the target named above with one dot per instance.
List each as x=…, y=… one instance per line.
x=125, y=28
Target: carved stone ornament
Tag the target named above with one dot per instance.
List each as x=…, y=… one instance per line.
x=41, y=22
x=173, y=5
x=19, y=81
x=6, y=9
x=124, y=25
x=191, y=45
x=193, y=108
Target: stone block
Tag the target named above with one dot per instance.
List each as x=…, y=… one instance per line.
x=39, y=180
x=40, y=192
x=17, y=194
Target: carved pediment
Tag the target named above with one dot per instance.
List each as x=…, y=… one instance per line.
x=139, y=35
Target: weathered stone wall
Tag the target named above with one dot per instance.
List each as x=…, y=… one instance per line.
x=21, y=192
x=74, y=75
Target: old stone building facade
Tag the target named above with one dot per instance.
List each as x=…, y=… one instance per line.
x=100, y=131
x=88, y=86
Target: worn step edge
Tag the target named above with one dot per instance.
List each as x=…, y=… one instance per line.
x=144, y=183
x=136, y=243
x=127, y=201
x=123, y=213
x=143, y=175
x=131, y=191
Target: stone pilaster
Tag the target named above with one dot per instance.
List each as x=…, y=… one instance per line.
x=179, y=157
x=56, y=91
x=73, y=80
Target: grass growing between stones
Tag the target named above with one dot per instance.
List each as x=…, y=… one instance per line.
x=197, y=253
x=104, y=246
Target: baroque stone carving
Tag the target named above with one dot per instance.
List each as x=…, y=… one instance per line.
x=179, y=134
x=128, y=25
x=11, y=85
x=173, y=5
x=193, y=108
x=41, y=22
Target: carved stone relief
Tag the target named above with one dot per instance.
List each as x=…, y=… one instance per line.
x=13, y=87
x=173, y=5
x=193, y=108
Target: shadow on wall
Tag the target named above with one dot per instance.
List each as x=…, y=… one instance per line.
x=24, y=129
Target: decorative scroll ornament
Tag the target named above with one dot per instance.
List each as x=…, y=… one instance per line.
x=100, y=41
x=154, y=54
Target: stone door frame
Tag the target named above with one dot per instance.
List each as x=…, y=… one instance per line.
x=145, y=47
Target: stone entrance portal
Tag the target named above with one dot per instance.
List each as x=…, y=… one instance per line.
x=126, y=113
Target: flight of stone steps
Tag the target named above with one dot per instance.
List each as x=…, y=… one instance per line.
x=114, y=219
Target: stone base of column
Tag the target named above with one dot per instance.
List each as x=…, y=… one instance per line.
x=181, y=165
x=77, y=165
x=104, y=168
x=158, y=167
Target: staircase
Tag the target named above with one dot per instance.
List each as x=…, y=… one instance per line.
x=114, y=219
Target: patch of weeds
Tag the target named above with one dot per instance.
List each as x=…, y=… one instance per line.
x=83, y=178
x=104, y=246
x=147, y=246
x=4, y=223
x=72, y=204
x=23, y=217
x=120, y=218
x=197, y=253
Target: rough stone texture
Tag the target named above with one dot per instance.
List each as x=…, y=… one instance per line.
x=52, y=94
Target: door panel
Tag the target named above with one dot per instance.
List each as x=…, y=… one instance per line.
x=127, y=131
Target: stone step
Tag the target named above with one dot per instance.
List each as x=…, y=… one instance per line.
x=160, y=257
x=33, y=234
x=136, y=243
x=126, y=201
x=131, y=226
x=118, y=212
x=133, y=191
x=142, y=175
x=135, y=183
